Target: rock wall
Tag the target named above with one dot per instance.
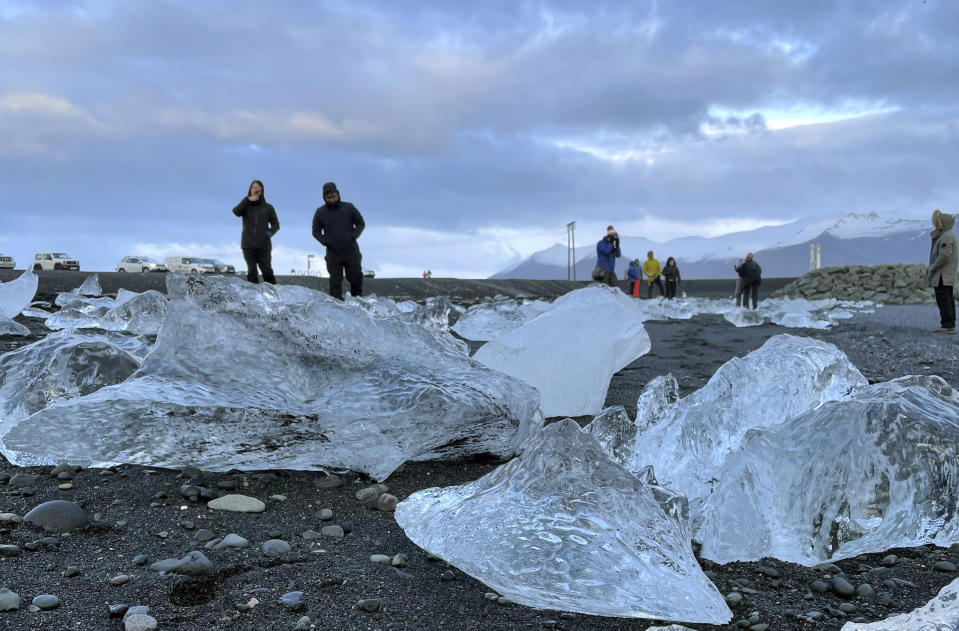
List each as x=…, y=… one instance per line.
x=889, y=284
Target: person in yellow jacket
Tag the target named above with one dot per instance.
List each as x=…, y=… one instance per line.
x=652, y=270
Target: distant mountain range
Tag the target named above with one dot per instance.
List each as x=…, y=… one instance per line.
x=782, y=251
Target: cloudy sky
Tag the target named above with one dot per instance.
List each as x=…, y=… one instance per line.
x=468, y=134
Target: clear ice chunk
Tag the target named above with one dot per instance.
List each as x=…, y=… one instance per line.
x=687, y=440
x=78, y=312
x=563, y=527
x=137, y=313
x=240, y=378
x=63, y=366
x=90, y=286
x=14, y=329
x=939, y=614
x=487, y=320
x=570, y=352
x=744, y=317
x=16, y=294
x=876, y=471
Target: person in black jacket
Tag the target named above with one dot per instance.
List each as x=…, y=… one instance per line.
x=751, y=274
x=259, y=226
x=337, y=225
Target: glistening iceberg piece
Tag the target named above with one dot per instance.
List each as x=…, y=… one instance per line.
x=570, y=352
x=488, y=320
x=879, y=470
x=687, y=440
x=11, y=328
x=239, y=378
x=939, y=614
x=563, y=527
x=63, y=366
x=90, y=286
x=140, y=314
x=16, y=294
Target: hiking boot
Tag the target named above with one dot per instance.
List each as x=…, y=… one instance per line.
x=945, y=330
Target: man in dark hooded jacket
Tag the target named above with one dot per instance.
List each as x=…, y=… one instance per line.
x=337, y=225
x=259, y=226
x=752, y=275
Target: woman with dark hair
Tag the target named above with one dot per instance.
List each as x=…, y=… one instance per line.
x=259, y=226
x=671, y=274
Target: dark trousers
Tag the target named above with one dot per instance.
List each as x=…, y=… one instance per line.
x=649, y=287
x=947, y=305
x=262, y=258
x=353, y=265
x=671, y=288
x=751, y=291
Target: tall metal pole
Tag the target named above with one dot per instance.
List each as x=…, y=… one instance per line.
x=818, y=254
x=571, y=250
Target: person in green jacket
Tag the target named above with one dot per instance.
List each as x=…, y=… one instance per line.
x=941, y=274
x=652, y=270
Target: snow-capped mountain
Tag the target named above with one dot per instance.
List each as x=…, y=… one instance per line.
x=782, y=251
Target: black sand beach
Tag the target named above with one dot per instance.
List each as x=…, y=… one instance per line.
x=139, y=511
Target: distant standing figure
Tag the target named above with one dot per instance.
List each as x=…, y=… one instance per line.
x=429, y=273
x=633, y=276
x=337, y=225
x=738, y=294
x=943, y=261
x=751, y=274
x=671, y=274
x=259, y=226
x=652, y=271
x=607, y=250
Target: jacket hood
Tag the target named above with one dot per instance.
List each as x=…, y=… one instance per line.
x=948, y=221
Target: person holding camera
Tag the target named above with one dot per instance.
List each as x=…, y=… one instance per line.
x=259, y=226
x=607, y=250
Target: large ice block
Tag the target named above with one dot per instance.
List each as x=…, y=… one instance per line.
x=687, y=440
x=16, y=294
x=879, y=470
x=140, y=314
x=570, y=351
x=240, y=378
x=63, y=366
x=488, y=320
x=563, y=527
x=939, y=614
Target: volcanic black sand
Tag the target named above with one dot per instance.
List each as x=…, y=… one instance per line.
x=138, y=510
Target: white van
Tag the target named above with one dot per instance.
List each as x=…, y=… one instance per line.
x=189, y=265
x=54, y=260
x=7, y=262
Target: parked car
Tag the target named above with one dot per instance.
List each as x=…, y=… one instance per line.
x=7, y=262
x=368, y=273
x=140, y=264
x=220, y=266
x=54, y=260
x=188, y=265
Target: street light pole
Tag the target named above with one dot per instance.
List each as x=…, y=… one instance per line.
x=308, y=257
x=571, y=250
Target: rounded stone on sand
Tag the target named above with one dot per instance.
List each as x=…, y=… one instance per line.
x=236, y=503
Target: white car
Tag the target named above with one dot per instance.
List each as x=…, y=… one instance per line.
x=7, y=262
x=140, y=264
x=189, y=265
x=54, y=261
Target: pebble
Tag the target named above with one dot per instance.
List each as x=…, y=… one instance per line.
x=278, y=498
x=138, y=610
x=368, y=494
x=765, y=570
x=275, y=547
x=9, y=601
x=140, y=622
x=399, y=560
x=369, y=604
x=120, y=579
x=490, y=595
x=332, y=531
x=71, y=571
x=226, y=485
x=203, y=535
x=9, y=550
x=11, y=517
x=57, y=516
x=865, y=590
x=325, y=515
x=118, y=609
x=380, y=558
x=293, y=601
x=66, y=486
x=23, y=479
x=309, y=535
x=842, y=587
x=236, y=503
x=46, y=602
x=954, y=548
x=193, y=564
x=303, y=624
x=733, y=599
x=232, y=540
x=140, y=559
x=503, y=600
x=327, y=481
x=762, y=626
x=820, y=586
x=847, y=607
x=945, y=566
x=889, y=560
x=448, y=575
x=386, y=503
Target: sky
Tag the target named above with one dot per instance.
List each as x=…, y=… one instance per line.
x=467, y=134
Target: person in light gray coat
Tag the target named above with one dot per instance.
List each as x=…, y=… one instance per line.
x=943, y=261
